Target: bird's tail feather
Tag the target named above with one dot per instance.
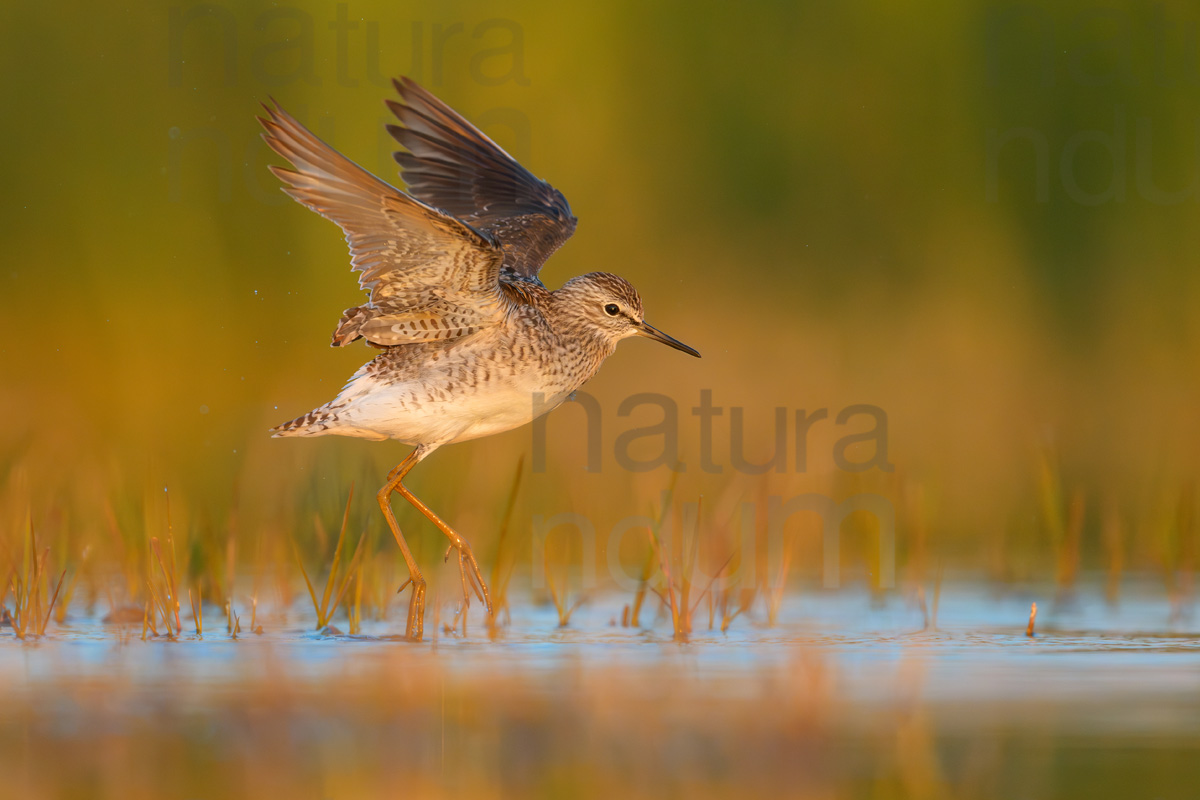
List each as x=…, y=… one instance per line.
x=314, y=423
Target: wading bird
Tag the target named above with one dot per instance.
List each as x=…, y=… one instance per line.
x=472, y=342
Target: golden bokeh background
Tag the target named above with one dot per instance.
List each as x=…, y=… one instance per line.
x=980, y=219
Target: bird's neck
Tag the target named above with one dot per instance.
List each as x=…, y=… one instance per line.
x=583, y=348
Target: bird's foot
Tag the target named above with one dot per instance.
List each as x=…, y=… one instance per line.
x=472, y=577
x=415, y=628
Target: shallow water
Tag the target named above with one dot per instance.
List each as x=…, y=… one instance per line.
x=849, y=696
x=978, y=652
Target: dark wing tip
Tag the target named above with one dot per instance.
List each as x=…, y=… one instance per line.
x=406, y=87
x=274, y=109
x=450, y=164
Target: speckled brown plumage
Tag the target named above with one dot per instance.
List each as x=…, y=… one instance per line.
x=473, y=343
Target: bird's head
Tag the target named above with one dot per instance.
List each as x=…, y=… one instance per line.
x=610, y=307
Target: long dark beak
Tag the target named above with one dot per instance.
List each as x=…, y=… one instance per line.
x=650, y=332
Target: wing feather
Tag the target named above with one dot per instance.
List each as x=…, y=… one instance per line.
x=452, y=165
x=430, y=276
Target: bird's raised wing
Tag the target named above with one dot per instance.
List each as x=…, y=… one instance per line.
x=430, y=276
x=452, y=165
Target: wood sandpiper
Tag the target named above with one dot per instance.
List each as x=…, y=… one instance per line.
x=472, y=342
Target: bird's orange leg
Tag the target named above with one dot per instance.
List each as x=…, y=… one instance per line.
x=465, y=556
x=416, y=604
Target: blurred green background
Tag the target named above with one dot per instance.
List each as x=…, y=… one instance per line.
x=978, y=217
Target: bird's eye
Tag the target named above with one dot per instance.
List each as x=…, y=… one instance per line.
x=612, y=309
